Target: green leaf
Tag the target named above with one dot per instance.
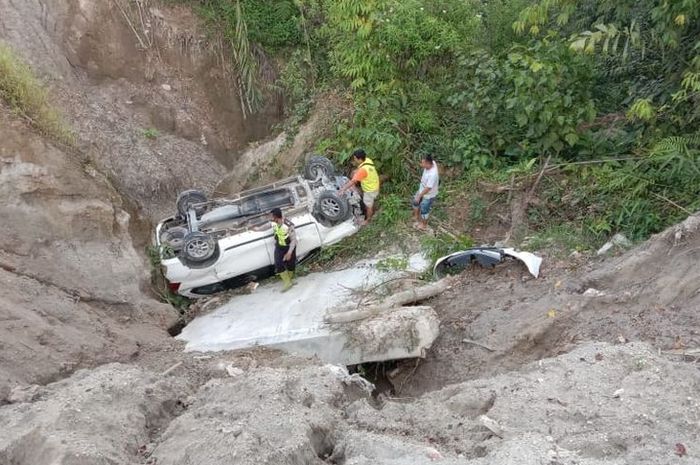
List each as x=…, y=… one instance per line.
x=521, y=119
x=571, y=138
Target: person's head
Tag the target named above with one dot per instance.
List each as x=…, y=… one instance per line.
x=276, y=215
x=358, y=156
x=426, y=161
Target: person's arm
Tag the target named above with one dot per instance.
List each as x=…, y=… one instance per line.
x=292, y=235
x=266, y=226
x=359, y=175
x=429, y=184
x=420, y=195
x=347, y=186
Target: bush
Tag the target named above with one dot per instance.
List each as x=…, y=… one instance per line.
x=27, y=97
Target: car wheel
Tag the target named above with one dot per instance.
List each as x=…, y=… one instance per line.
x=332, y=207
x=317, y=167
x=199, y=247
x=188, y=199
x=174, y=238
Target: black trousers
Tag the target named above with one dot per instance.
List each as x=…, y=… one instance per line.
x=282, y=265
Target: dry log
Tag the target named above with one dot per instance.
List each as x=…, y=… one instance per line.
x=399, y=299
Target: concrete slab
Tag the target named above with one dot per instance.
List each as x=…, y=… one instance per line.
x=293, y=321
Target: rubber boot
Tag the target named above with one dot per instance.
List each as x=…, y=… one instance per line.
x=286, y=277
x=291, y=278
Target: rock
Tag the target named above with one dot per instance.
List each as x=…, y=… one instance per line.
x=492, y=425
x=618, y=240
x=621, y=240
x=166, y=87
x=22, y=394
x=618, y=393
x=605, y=249
x=591, y=292
x=234, y=371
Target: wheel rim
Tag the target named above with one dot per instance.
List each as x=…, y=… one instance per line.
x=198, y=248
x=330, y=207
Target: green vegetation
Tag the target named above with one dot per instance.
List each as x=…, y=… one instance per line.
x=28, y=98
x=150, y=133
x=602, y=98
x=392, y=264
x=158, y=283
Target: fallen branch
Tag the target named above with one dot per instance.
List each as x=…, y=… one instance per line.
x=683, y=209
x=131, y=25
x=519, y=206
x=374, y=288
x=685, y=353
x=399, y=299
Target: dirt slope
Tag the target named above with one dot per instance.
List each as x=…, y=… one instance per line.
x=71, y=279
x=650, y=293
x=119, y=68
x=546, y=361
x=75, y=288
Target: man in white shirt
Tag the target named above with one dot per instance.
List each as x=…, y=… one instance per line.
x=427, y=192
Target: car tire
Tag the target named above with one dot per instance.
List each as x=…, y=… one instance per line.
x=187, y=199
x=332, y=207
x=317, y=167
x=199, y=247
x=174, y=238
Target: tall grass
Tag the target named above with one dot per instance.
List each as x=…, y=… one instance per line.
x=27, y=97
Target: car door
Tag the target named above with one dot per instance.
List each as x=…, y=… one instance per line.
x=308, y=238
x=244, y=253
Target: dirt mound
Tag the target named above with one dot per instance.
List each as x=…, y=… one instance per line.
x=598, y=405
x=497, y=320
x=98, y=417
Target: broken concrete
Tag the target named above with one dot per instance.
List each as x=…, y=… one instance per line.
x=294, y=322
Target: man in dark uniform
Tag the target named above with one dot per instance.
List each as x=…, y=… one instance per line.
x=285, y=248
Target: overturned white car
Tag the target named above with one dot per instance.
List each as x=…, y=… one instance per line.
x=213, y=245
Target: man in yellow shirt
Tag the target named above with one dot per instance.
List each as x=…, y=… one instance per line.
x=366, y=175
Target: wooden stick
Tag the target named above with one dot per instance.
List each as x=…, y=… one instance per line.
x=685, y=210
x=171, y=369
x=397, y=300
x=130, y=24
x=537, y=182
